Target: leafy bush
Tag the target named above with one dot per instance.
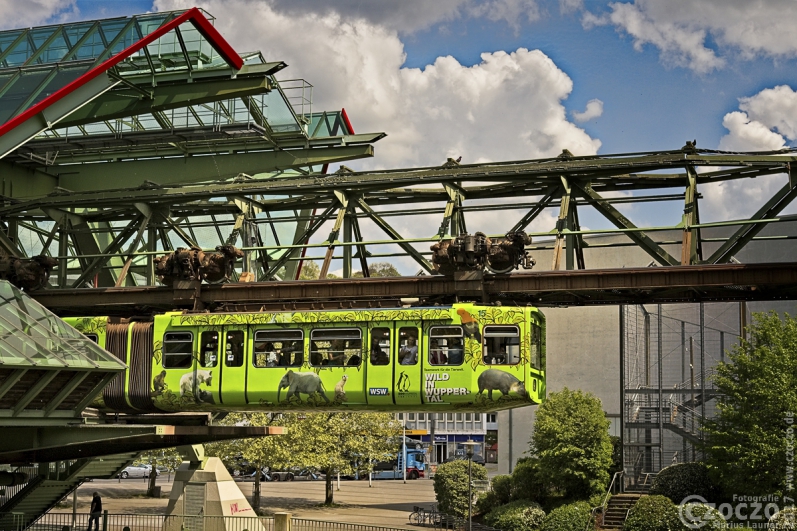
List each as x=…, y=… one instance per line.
x=705, y=516
x=487, y=502
x=526, y=483
x=684, y=479
x=571, y=440
x=451, y=486
x=653, y=513
x=520, y=515
x=502, y=487
x=784, y=520
x=570, y=517
x=499, y=494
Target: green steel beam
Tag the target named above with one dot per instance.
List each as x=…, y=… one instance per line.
x=122, y=103
x=34, y=391
x=622, y=222
x=65, y=391
x=129, y=174
x=96, y=265
x=52, y=115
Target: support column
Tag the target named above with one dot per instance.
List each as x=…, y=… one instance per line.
x=690, y=235
x=333, y=236
x=561, y=224
x=347, y=249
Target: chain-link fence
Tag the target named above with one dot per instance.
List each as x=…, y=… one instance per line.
x=669, y=355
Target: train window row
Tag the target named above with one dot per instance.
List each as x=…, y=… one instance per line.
x=339, y=347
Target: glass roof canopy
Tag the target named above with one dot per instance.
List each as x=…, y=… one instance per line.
x=31, y=336
x=36, y=62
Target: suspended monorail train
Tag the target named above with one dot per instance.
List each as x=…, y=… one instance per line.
x=463, y=357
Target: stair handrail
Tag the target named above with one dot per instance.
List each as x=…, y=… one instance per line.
x=602, y=507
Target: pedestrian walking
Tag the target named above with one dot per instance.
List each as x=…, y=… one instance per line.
x=96, y=511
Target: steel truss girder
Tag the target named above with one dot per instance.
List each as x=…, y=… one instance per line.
x=181, y=170
x=127, y=102
x=647, y=285
x=622, y=222
x=745, y=233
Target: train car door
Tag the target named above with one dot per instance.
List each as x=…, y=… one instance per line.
x=336, y=354
x=275, y=352
x=207, y=372
x=448, y=378
x=379, y=367
x=407, y=377
x=232, y=384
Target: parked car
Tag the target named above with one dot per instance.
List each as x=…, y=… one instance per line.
x=138, y=471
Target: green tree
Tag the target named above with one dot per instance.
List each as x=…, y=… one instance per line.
x=571, y=441
x=330, y=443
x=379, y=269
x=747, y=441
x=311, y=271
x=451, y=486
x=168, y=457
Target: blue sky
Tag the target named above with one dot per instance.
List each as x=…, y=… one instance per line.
x=502, y=79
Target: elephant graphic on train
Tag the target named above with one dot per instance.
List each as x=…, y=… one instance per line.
x=298, y=383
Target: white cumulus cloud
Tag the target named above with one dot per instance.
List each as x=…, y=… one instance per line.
x=594, y=110
x=683, y=29
x=35, y=12
x=766, y=121
x=508, y=106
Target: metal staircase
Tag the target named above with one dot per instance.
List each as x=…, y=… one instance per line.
x=50, y=482
x=617, y=510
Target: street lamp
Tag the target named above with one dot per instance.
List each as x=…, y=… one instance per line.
x=469, y=446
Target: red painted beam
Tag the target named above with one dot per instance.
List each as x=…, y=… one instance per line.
x=194, y=15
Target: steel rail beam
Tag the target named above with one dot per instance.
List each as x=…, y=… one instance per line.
x=660, y=285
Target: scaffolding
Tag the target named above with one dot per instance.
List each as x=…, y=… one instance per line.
x=669, y=355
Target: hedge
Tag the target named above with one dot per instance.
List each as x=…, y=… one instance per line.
x=653, y=513
x=451, y=486
x=570, y=517
x=785, y=520
x=520, y=515
x=684, y=479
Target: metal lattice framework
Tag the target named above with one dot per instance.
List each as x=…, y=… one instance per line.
x=183, y=142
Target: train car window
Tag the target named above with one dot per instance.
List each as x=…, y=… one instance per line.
x=536, y=347
x=234, y=349
x=278, y=348
x=445, y=345
x=178, y=350
x=408, y=346
x=93, y=337
x=336, y=347
x=380, y=346
x=209, y=349
x=501, y=345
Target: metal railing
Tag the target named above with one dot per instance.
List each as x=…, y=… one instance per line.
x=602, y=508
x=67, y=521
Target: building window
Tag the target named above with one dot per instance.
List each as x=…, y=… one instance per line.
x=278, y=348
x=380, y=346
x=177, y=350
x=421, y=416
x=336, y=347
x=410, y=416
x=501, y=345
x=401, y=416
x=445, y=345
x=491, y=417
x=468, y=417
x=234, y=350
x=209, y=349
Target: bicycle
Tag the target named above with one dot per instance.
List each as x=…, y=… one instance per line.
x=421, y=516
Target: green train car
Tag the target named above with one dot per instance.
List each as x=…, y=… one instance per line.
x=463, y=357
